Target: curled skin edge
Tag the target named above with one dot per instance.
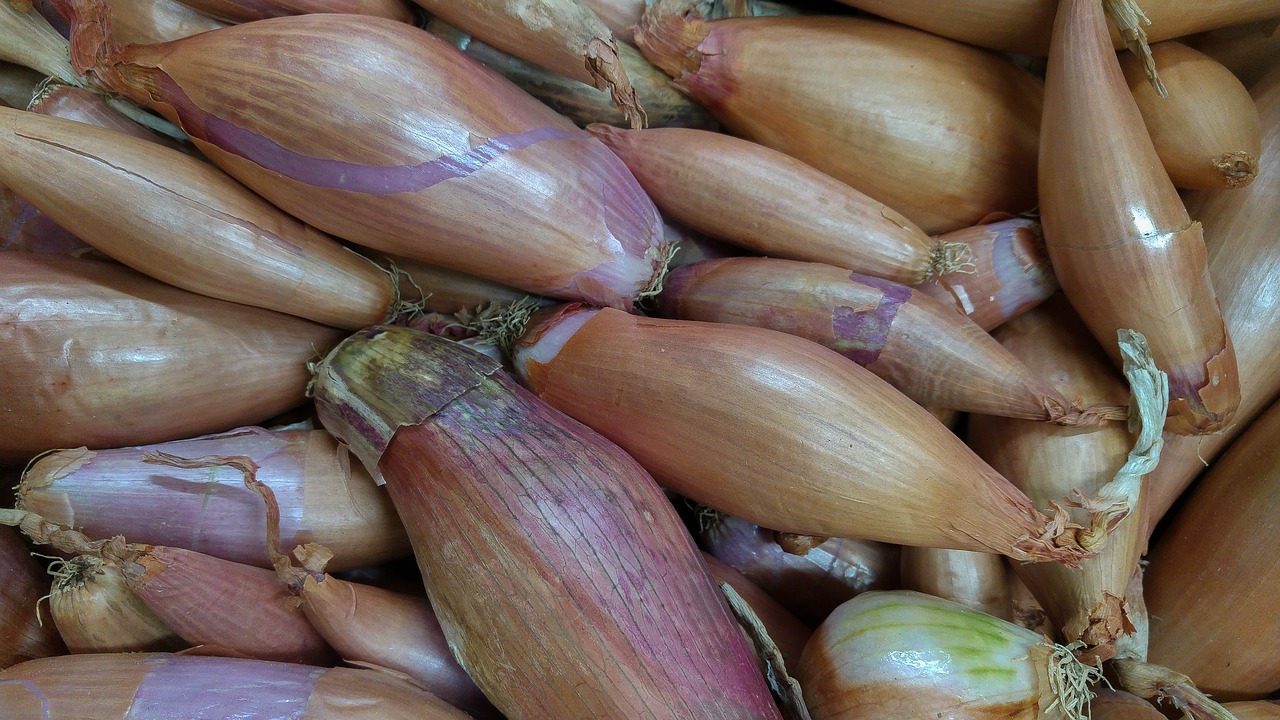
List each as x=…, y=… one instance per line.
x=1157, y=683
x=602, y=63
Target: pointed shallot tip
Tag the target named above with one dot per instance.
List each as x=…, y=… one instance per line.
x=1091, y=416
x=1157, y=683
x=605, y=68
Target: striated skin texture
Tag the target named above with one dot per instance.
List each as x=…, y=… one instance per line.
x=564, y=581
x=156, y=21
x=242, y=11
x=159, y=685
x=423, y=153
x=1121, y=241
x=941, y=132
x=98, y=355
x=1213, y=579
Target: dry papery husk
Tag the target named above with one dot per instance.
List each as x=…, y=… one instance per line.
x=96, y=612
x=784, y=629
x=780, y=431
x=941, y=132
x=187, y=223
x=1212, y=581
x=1122, y=244
x=585, y=104
x=98, y=355
x=976, y=580
x=23, y=636
x=27, y=39
x=1162, y=685
x=157, y=21
x=1024, y=26
x=920, y=346
x=366, y=625
x=1242, y=235
x=1057, y=463
x=1007, y=272
x=1206, y=131
x=172, y=686
x=905, y=654
x=564, y=36
x=530, y=200
x=773, y=204
x=324, y=497
x=1248, y=50
x=810, y=583
x=242, y=11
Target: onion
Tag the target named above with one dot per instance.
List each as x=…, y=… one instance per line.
x=22, y=635
x=913, y=342
x=176, y=686
x=779, y=431
x=975, y=580
x=1227, y=639
x=1009, y=274
x=241, y=11
x=97, y=355
x=1121, y=242
x=1050, y=463
x=664, y=106
x=95, y=611
x=1207, y=130
x=1242, y=235
x=187, y=223
x=941, y=132
x=1248, y=50
x=453, y=164
x=810, y=584
x=1254, y=710
x=1114, y=705
x=621, y=16
x=157, y=21
x=760, y=199
x=889, y=655
x=562, y=577
x=1023, y=26
x=564, y=36
x=324, y=498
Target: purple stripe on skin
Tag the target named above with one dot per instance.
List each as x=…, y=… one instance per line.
x=44, y=701
x=1019, y=286
x=860, y=335
x=213, y=688
x=339, y=175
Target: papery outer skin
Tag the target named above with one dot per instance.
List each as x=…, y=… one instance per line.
x=101, y=614
x=1225, y=640
x=156, y=21
x=208, y=601
x=910, y=655
x=1112, y=705
x=322, y=497
x=810, y=585
x=24, y=636
x=1242, y=235
x=1049, y=463
x=471, y=172
x=524, y=509
x=1122, y=244
x=186, y=223
x=941, y=132
x=664, y=106
x=720, y=412
x=392, y=630
x=784, y=628
x=242, y=11
x=98, y=355
x=446, y=291
x=1024, y=26
x=138, y=686
x=1207, y=118
x=768, y=202
x=975, y=580
x=1013, y=272
x=913, y=342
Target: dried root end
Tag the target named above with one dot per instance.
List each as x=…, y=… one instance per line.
x=1158, y=683
x=1070, y=681
x=646, y=298
x=605, y=68
x=669, y=38
x=1059, y=541
x=499, y=323
x=1129, y=19
x=1237, y=168
x=950, y=257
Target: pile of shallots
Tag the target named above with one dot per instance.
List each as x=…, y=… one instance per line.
x=670, y=359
